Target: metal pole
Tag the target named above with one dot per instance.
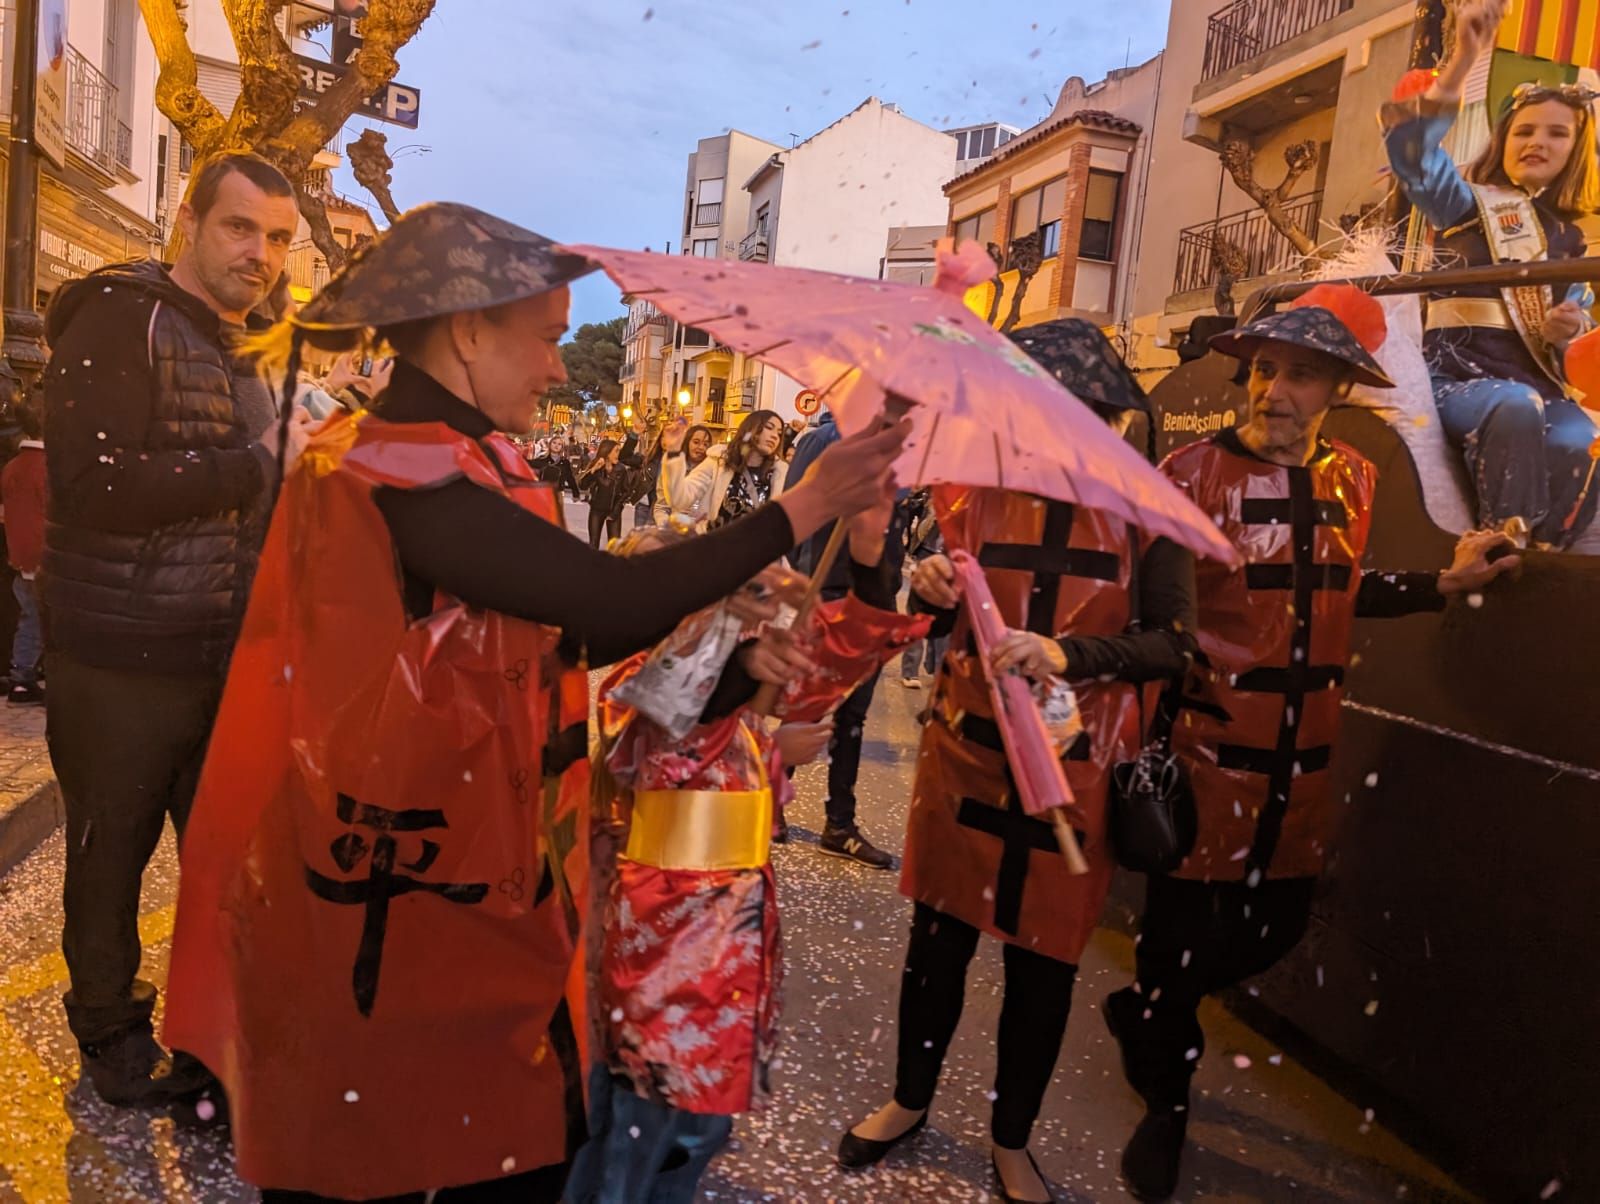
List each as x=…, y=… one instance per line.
x=1584, y=269
x=23, y=347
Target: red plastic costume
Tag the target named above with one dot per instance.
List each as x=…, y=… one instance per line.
x=381, y=878
x=971, y=852
x=1261, y=710
x=690, y=965
x=849, y=641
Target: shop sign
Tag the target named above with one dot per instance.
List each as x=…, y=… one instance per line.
x=64, y=259
x=50, y=108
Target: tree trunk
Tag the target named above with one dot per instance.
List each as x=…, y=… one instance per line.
x=264, y=119
x=1239, y=157
x=315, y=211
x=1027, y=256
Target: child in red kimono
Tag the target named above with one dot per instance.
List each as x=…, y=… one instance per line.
x=686, y=955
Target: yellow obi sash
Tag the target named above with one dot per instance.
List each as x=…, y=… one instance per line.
x=704, y=829
x=701, y=829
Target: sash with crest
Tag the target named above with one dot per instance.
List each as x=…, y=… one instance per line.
x=1516, y=235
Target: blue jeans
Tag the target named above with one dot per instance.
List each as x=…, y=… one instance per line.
x=1528, y=458
x=641, y=1152
x=27, y=646
x=929, y=652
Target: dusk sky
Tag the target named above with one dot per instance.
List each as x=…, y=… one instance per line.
x=575, y=119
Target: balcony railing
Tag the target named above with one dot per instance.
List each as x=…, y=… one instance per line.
x=1246, y=28
x=707, y=215
x=1263, y=250
x=91, y=113
x=629, y=370
x=754, y=246
x=124, y=145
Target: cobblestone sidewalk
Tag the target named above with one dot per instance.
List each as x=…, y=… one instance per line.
x=30, y=803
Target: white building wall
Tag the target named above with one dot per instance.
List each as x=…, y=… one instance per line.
x=147, y=124
x=844, y=187
x=840, y=192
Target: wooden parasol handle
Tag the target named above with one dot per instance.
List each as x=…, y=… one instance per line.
x=1068, y=841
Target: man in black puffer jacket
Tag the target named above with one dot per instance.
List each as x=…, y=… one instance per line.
x=162, y=460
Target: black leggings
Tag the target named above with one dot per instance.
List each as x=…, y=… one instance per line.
x=1033, y=1019
x=600, y=521
x=543, y=1186
x=1197, y=938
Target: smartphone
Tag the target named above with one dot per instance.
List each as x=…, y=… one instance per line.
x=366, y=365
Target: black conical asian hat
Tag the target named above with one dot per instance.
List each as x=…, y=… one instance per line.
x=440, y=258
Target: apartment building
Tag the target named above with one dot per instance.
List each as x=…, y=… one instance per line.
x=99, y=205
x=1058, y=205
x=829, y=202
x=647, y=347
x=716, y=221
x=1273, y=75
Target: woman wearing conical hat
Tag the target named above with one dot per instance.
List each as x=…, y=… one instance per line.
x=383, y=875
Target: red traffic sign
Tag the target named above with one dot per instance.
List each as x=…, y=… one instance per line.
x=808, y=403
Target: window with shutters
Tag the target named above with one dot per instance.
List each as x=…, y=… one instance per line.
x=1101, y=203
x=1040, y=209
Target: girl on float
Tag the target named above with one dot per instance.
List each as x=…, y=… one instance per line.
x=1496, y=353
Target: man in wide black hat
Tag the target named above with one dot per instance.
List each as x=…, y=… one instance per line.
x=1260, y=712
x=384, y=878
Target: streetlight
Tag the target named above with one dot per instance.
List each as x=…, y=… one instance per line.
x=627, y=411
x=685, y=398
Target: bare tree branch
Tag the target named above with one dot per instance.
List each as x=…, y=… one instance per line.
x=1239, y=157
x=370, y=161
x=314, y=209
x=388, y=25
x=178, y=94
x=268, y=73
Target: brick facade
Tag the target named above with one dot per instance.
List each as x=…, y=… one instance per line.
x=1072, y=223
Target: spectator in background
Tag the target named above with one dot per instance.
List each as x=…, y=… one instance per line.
x=743, y=477
x=554, y=466
x=683, y=450
x=923, y=539
x=163, y=455
x=841, y=834
x=22, y=489
x=606, y=479
x=357, y=378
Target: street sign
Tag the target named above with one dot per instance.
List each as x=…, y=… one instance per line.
x=50, y=110
x=808, y=403
x=346, y=39
x=398, y=104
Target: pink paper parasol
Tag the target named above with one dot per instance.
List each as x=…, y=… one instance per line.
x=985, y=414
x=1030, y=753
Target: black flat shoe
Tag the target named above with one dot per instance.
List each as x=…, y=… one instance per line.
x=1001, y=1180
x=855, y=1153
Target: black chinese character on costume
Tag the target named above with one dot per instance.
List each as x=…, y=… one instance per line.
x=382, y=883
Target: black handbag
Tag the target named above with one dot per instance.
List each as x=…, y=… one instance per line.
x=1150, y=816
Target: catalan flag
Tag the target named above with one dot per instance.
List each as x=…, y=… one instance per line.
x=1563, y=31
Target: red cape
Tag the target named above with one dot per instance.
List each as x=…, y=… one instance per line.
x=378, y=912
